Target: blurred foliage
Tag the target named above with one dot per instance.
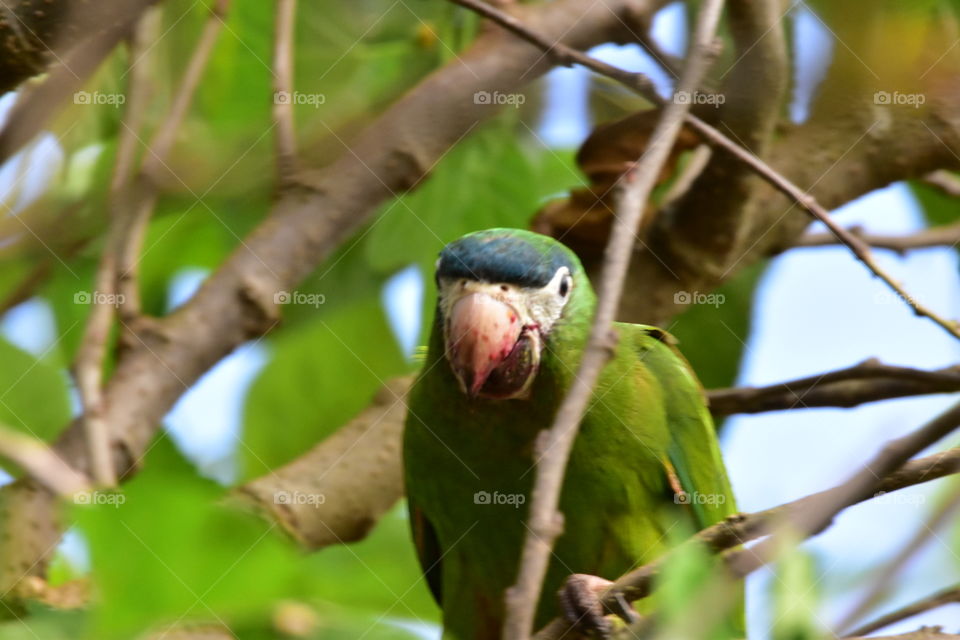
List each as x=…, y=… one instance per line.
x=713, y=333
x=320, y=374
x=689, y=583
x=796, y=598
x=938, y=207
x=34, y=397
x=169, y=536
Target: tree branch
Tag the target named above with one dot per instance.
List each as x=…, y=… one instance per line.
x=283, y=40
x=880, y=584
x=41, y=462
x=819, y=514
x=950, y=595
x=32, y=39
x=642, y=85
x=317, y=498
x=943, y=236
x=742, y=528
x=369, y=440
x=947, y=181
x=142, y=195
x=924, y=633
x=109, y=22
x=92, y=352
x=553, y=446
x=868, y=381
x=707, y=223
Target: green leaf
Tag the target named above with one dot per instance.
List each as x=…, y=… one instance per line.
x=191, y=233
x=322, y=373
x=795, y=598
x=938, y=208
x=379, y=575
x=170, y=535
x=33, y=393
x=43, y=622
x=689, y=580
x=65, y=290
x=489, y=180
x=715, y=325
x=166, y=549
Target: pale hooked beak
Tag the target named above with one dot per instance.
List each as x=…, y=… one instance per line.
x=492, y=353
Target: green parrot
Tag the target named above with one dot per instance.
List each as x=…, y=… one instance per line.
x=513, y=315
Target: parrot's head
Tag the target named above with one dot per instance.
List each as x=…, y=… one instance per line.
x=503, y=293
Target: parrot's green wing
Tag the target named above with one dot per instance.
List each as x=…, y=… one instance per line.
x=694, y=466
x=694, y=454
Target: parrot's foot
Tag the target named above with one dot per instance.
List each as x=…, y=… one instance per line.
x=580, y=601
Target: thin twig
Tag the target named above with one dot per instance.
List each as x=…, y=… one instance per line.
x=949, y=595
x=923, y=633
x=553, y=446
x=879, y=585
x=943, y=236
x=565, y=55
x=39, y=102
x=742, y=528
x=945, y=181
x=699, y=158
x=868, y=381
x=283, y=42
x=92, y=352
x=41, y=462
x=861, y=485
x=144, y=191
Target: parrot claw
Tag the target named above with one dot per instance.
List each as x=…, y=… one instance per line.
x=580, y=601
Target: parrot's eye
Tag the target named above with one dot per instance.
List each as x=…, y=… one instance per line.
x=565, y=286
